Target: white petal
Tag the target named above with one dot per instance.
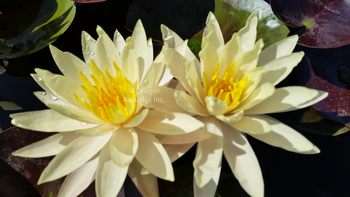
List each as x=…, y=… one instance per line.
x=42, y=84
x=75, y=113
x=88, y=44
x=215, y=106
x=285, y=137
x=212, y=32
x=283, y=99
x=69, y=64
x=279, y=69
x=208, y=155
x=130, y=64
x=231, y=118
x=47, y=121
x=123, y=146
x=209, y=189
x=119, y=41
x=248, y=33
x=140, y=40
x=153, y=157
x=231, y=51
x=107, y=54
x=248, y=60
x=146, y=184
x=194, y=81
x=169, y=123
x=208, y=57
x=252, y=125
x=47, y=147
x=64, y=87
x=149, y=56
x=159, y=98
x=243, y=162
x=175, y=151
x=320, y=96
x=109, y=177
x=187, y=138
x=77, y=181
x=100, y=130
x=72, y=157
x=136, y=119
x=189, y=104
x=170, y=37
x=278, y=49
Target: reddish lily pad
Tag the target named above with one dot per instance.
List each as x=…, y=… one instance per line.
x=326, y=21
x=232, y=16
x=88, y=1
x=30, y=168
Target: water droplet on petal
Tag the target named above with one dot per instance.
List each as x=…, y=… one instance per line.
x=149, y=44
x=92, y=53
x=43, y=93
x=83, y=123
x=118, y=34
x=39, y=79
x=41, y=98
x=52, y=97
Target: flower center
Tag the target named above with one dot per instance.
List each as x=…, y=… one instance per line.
x=111, y=99
x=225, y=88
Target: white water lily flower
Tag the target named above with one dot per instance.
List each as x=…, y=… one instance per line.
x=230, y=89
x=103, y=132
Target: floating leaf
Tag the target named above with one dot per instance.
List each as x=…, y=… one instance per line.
x=232, y=15
x=22, y=35
x=88, y=1
x=326, y=22
x=8, y=105
x=327, y=70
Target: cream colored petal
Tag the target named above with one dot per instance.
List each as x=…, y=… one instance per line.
x=189, y=104
x=283, y=99
x=248, y=60
x=186, y=52
x=69, y=64
x=159, y=98
x=175, y=151
x=118, y=41
x=278, y=49
x=72, y=157
x=231, y=51
x=215, y=106
x=208, y=57
x=208, y=155
x=75, y=113
x=251, y=125
x=231, y=118
x=88, y=44
x=47, y=121
x=42, y=84
x=212, y=32
x=140, y=39
x=279, y=69
x=248, y=33
x=187, y=138
x=153, y=157
x=109, y=176
x=320, y=96
x=47, y=147
x=254, y=77
x=107, y=54
x=136, y=119
x=169, y=123
x=146, y=184
x=149, y=56
x=209, y=189
x=100, y=130
x=257, y=96
x=176, y=63
x=77, y=181
x=243, y=162
x=194, y=81
x=123, y=146
x=285, y=137
x=130, y=64
x=63, y=86
x=47, y=98
x=170, y=37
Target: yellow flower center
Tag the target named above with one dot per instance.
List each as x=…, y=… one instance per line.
x=225, y=88
x=112, y=99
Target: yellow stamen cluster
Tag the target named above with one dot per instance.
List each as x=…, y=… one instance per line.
x=225, y=88
x=111, y=99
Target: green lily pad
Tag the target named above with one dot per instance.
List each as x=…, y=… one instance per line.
x=232, y=15
x=46, y=21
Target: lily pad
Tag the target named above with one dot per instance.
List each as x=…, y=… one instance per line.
x=22, y=35
x=326, y=22
x=88, y=1
x=232, y=15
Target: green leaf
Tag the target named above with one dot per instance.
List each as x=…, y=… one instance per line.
x=232, y=15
